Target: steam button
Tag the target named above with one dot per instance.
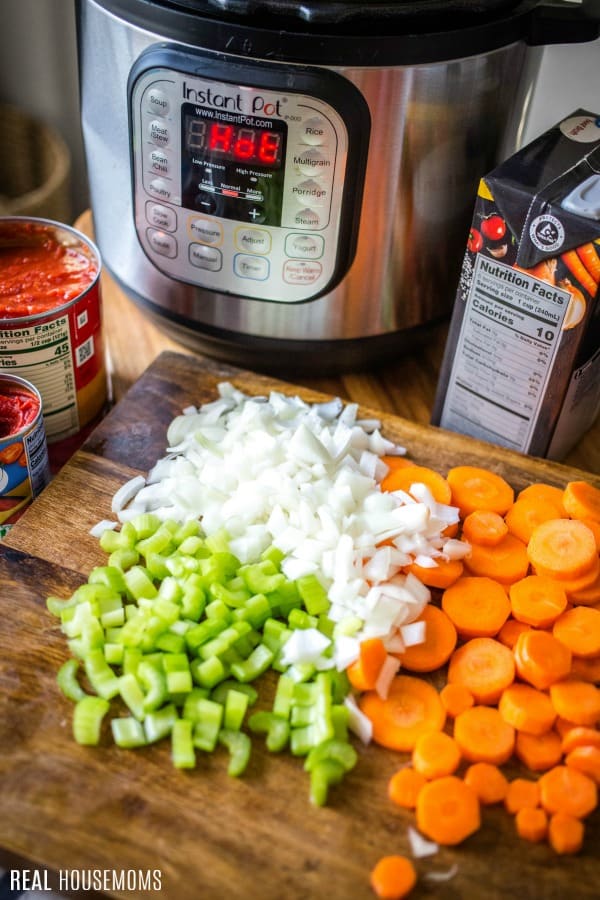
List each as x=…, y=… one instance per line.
x=307, y=218
x=162, y=243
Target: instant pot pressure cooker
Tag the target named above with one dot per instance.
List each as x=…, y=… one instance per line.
x=289, y=186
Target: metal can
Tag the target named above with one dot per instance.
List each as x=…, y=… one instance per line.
x=51, y=324
x=24, y=464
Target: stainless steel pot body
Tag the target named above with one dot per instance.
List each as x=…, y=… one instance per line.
x=435, y=129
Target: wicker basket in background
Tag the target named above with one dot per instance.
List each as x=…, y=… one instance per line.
x=35, y=168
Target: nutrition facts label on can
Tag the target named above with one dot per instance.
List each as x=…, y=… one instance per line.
x=41, y=354
x=506, y=349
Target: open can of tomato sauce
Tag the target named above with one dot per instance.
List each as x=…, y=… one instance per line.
x=24, y=465
x=51, y=326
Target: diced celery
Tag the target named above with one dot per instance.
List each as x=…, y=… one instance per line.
x=100, y=675
x=114, y=653
x=152, y=678
x=209, y=672
x=156, y=564
x=192, y=707
x=145, y=524
x=182, y=746
x=177, y=671
x=128, y=732
x=236, y=704
x=258, y=662
x=66, y=679
x=132, y=695
x=219, y=693
x=87, y=719
x=239, y=746
x=284, y=696
x=262, y=577
x=110, y=576
x=313, y=594
x=325, y=774
x=256, y=610
x=204, y=631
x=138, y=583
x=339, y=751
x=298, y=618
x=160, y=541
x=170, y=643
x=158, y=724
x=207, y=725
x=275, y=727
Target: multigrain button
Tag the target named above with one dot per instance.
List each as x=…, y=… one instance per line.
x=157, y=101
x=207, y=231
x=204, y=257
x=255, y=267
x=159, y=162
x=160, y=189
x=161, y=243
x=311, y=161
x=253, y=240
x=161, y=217
x=158, y=133
x=304, y=246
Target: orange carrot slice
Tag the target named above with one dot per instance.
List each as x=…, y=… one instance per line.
x=477, y=606
x=411, y=708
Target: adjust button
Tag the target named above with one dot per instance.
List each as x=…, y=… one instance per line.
x=161, y=243
x=304, y=246
x=253, y=240
x=206, y=257
x=255, y=267
x=161, y=217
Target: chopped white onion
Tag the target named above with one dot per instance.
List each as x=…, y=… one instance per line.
x=127, y=492
x=386, y=675
x=100, y=527
x=442, y=876
x=420, y=846
x=358, y=723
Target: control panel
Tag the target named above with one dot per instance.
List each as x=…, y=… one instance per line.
x=246, y=187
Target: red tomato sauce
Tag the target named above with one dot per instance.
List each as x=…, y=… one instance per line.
x=17, y=409
x=38, y=272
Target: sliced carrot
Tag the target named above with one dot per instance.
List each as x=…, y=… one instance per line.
x=393, y=877
x=537, y=600
x=436, y=649
x=404, y=787
x=562, y=548
x=402, y=479
x=483, y=526
x=412, y=707
x=579, y=272
x=594, y=526
x=397, y=462
x=527, y=709
x=488, y=781
x=510, y=631
x=579, y=630
x=521, y=794
x=544, y=491
x=364, y=671
x=582, y=500
x=565, y=833
x=456, y=698
x=478, y=488
x=563, y=726
x=448, y=810
x=588, y=255
x=578, y=701
x=539, y=752
x=531, y=824
x=478, y=606
x=442, y=575
x=565, y=790
x=586, y=760
x=484, y=736
x=436, y=754
x=506, y=562
x=527, y=513
x=541, y=659
x=585, y=594
x=484, y=666
x=586, y=669
x=580, y=736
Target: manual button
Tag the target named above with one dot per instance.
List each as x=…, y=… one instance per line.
x=161, y=243
x=204, y=257
x=253, y=240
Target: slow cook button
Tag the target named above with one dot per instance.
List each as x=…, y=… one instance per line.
x=312, y=161
x=161, y=243
x=161, y=216
x=307, y=218
x=158, y=133
x=255, y=267
x=157, y=101
x=204, y=257
x=301, y=271
x=304, y=246
x=253, y=240
x=205, y=230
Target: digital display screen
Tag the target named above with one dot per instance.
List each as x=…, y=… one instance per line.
x=233, y=165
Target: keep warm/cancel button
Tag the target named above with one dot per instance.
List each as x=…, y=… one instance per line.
x=300, y=271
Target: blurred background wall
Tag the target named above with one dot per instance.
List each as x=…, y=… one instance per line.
x=38, y=74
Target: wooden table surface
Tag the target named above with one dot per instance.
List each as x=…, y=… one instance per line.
x=405, y=387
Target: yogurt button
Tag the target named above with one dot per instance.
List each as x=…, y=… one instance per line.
x=161, y=217
x=205, y=257
x=304, y=246
x=161, y=243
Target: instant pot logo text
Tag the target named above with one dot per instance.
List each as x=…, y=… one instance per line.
x=244, y=103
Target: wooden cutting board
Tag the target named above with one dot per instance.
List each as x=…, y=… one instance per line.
x=211, y=836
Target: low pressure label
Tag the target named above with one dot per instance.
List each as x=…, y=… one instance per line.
x=507, y=345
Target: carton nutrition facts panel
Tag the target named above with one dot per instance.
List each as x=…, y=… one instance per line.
x=508, y=342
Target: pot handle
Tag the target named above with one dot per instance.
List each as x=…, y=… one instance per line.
x=564, y=22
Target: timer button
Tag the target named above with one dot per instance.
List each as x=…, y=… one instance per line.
x=157, y=101
x=311, y=191
x=161, y=243
x=304, y=246
x=314, y=131
x=203, y=257
x=205, y=230
x=255, y=267
x=158, y=133
x=161, y=217
x=160, y=189
x=312, y=162
x=159, y=162
x=307, y=218
x=253, y=240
